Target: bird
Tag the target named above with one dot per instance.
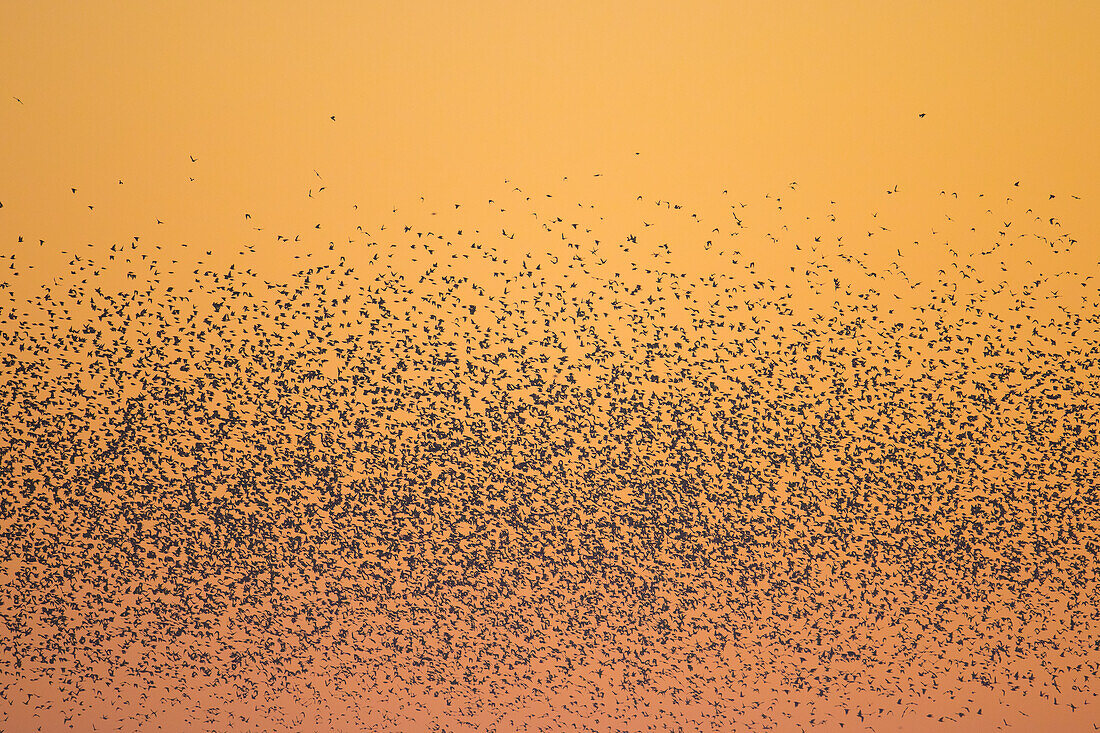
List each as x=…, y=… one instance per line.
x=595, y=473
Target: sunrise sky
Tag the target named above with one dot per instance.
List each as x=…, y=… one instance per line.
x=446, y=100
x=232, y=151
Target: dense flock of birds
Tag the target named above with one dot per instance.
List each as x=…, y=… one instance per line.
x=518, y=465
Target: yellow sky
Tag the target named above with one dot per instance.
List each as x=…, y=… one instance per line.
x=449, y=99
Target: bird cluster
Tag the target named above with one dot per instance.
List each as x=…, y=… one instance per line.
x=732, y=470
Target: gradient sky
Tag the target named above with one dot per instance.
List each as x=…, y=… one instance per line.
x=173, y=121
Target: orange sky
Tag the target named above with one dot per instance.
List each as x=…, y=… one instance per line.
x=199, y=113
x=448, y=99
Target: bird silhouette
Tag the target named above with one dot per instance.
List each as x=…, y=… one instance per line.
x=653, y=468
